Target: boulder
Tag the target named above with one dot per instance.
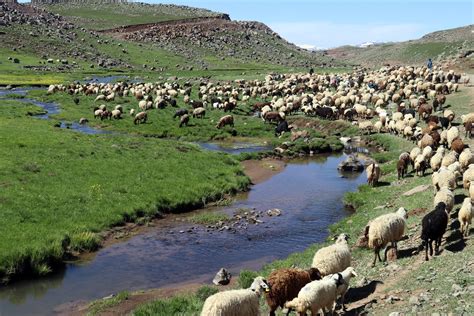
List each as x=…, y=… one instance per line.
x=351, y=164
x=222, y=277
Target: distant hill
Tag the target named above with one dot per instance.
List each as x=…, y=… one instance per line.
x=438, y=45
x=100, y=15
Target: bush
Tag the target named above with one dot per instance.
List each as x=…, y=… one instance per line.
x=246, y=278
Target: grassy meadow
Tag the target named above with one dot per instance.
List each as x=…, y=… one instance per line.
x=60, y=188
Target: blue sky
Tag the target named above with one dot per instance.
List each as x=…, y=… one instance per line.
x=326, y=24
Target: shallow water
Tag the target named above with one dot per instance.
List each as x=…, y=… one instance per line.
x=309, y=192
x=234, y=148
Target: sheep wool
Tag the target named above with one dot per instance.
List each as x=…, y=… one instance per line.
x=446, y=196
x=386, y=228
x=466, y=158
x=465, y=216
x=315, y=296
x=333, y=258
x=285, y=285
x=468, y=177
x=344, y=279
x=243, y=302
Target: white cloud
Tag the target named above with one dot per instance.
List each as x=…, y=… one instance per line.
x=328, y=34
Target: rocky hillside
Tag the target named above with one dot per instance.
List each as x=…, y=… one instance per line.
x=438, y=46
x=205, y=39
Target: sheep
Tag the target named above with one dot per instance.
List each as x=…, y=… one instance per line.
x=402, y=167
x=333, y=258
x=344, y=277
x=116, y=114
x=83, y=121
x=415, y=152
x=449, y=159
x=384, y=229
x=420, y=165
x=315, y=296
x=457, y=145
x=119, y=107
x=468, y=177
x=132, y=112
x=455, y=168
x=140, y=118
x=443, y=178
x=466, y=158
x=373, y=174
x=285, y=285
x=433, y=227
x=465, y=216
x=427, y=152
x=453, y=133
x=425, y=141
x=180, y=112
x=366, y=126
x=378, y=126
x=471, y=191
x=225, y=120
x=243, y=302
x=435, y=161
x=446, y=196
x=199, y=112
x=98, y=113
x=184, y=120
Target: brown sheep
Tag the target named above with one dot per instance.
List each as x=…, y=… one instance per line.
x=457, y=145
x=105, y=115
x=225, y=120
x=285, y=285
x=272, y=116
x=424, y=111
x=468, y=126
x=184, y=120
x=402, y=167
x=140, y=118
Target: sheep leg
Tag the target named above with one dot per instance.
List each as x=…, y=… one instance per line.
x=385, y=254
x=431, y=247
x=375, y=257
x=426, y=251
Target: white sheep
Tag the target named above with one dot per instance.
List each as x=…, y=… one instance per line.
x=420, y=165
x=427, y=152
x=435, y=161
x=466, y=158
x=468, y=177
x=344, y=278
x=449, y=159
x=333, y=258
x=414, y=153
x=453, y=133
x=244, y=302
x=444, y=195
x=132, y=112
x=315, y=296
x=471, y=191
x=443, y=178
x=465, y=216
x=388, y=228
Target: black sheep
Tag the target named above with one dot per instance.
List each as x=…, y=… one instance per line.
x=180, y=113
x=409, y=111
x=433, y=228
x=281, y=128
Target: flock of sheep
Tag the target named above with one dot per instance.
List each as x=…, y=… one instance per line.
x=386, y=100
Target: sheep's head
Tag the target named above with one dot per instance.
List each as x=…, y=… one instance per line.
x=259, y=284
x=314, y=274
x=351, y=271
x=342, y=238
x=402, y=212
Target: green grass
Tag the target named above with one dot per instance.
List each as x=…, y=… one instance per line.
x=184, y=304
x=209, y=218
x=60, y=187
x=99, y=16
x=99, y=306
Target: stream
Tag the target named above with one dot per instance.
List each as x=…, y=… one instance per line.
x=308, y=191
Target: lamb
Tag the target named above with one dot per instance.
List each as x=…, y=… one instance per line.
x=433, y=228
x=315, y=296
x=466, y=158
x=344, y=277
x=446, y=196
x=384, y=229
x=244, y=302
x=225, y=120
x=373, y=174
x=465, y=216
x=285, y=285
x=333, y=258
x=140, y=118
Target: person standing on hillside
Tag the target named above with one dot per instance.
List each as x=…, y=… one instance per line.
x=429, y=64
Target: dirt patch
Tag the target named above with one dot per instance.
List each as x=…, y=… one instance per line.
x=260, y=170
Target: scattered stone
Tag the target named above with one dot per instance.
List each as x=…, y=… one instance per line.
x=274, y=212
x=417, y=189
x=222, y=277
x=414, y=300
